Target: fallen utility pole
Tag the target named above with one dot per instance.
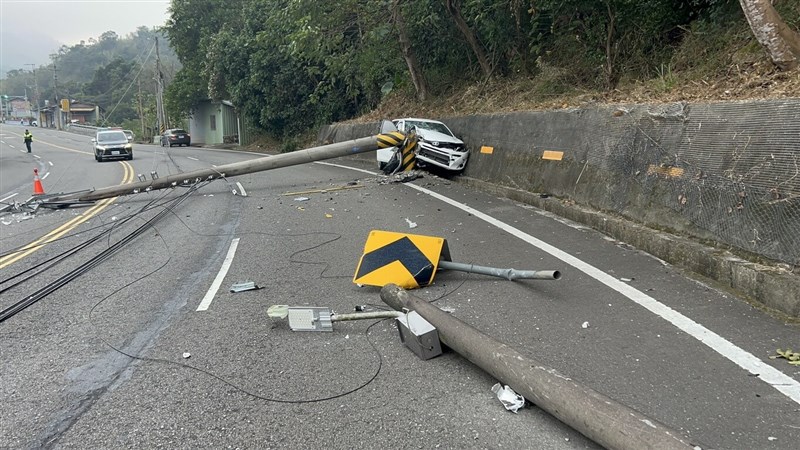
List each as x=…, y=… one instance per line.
x=366, y=144
x=599, y=418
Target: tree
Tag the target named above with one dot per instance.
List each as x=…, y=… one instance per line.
x=414, y=69
x=454, y=9
x=781, y=42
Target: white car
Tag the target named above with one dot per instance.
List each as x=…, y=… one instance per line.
x=437, y=145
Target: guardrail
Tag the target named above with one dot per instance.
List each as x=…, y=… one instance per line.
x=87, y=130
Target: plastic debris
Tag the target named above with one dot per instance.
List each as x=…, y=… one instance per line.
x=187, y=355
x=301, y=199
x=626, y=279
x=278, y=311
x=510, y=399
x=585, y=325
x=410, y=223
x=244, y=286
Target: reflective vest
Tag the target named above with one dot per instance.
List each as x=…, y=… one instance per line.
x=28, y=137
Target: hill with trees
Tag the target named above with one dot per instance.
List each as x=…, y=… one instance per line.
x=113, y=72
x=291, y=65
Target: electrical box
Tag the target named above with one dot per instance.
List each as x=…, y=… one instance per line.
x=419, y=335
x=310, y=319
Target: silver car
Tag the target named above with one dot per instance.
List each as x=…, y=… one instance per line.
x=112, y=144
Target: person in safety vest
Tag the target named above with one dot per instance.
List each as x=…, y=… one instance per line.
x=28, y=139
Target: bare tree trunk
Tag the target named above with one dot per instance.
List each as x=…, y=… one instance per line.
x=414, y=69
x=454, y=8
x=611, y=50
x=781, y=42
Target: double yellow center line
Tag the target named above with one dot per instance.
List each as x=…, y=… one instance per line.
x=7, y=260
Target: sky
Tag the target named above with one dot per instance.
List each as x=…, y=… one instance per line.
x=31, y=30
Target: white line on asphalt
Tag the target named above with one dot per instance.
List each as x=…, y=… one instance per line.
x=770, y=375
x=226, y=264
x=10, y=196
x=193, y=159
x=50, y=162
x=37, y=156
x=46, y=175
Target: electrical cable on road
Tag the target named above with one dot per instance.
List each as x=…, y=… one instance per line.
x=73, y=250
x=85, y=267
x=149, y=224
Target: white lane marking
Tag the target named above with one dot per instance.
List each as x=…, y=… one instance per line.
x=242, y=192
x=10, y=196
x=46, y=175
x=226, y=264
x=193, y=159
x=37, y=156
x=770, y=375
x=50, y=162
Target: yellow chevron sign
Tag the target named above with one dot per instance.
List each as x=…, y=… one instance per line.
x=408, y=260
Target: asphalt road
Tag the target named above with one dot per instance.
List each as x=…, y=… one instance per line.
x=119, y=355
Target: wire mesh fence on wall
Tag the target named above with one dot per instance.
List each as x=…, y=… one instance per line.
x=732, y=169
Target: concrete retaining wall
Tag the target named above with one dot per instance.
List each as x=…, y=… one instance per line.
x=724, y=174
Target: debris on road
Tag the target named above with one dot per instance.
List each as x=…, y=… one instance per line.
x=410, y=223
x=244, y=286
x=510, y=399
x=791, y=357
x=325, y=190
x=301, y=199
x=585, y=325
x=187, y=355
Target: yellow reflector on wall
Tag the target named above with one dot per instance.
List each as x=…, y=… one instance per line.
x=553, y=155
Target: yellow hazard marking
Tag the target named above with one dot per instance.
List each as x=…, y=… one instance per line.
x=553, y=155
x=667, y=171
x=409, y=157
x=486, y=149
x=408, y=260
x=393, y=139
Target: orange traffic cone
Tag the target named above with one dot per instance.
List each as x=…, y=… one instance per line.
x=37, y=183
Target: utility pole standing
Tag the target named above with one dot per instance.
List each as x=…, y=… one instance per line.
x=57, y=105
x=36, y=93
x=161, y=117
x=141, y=113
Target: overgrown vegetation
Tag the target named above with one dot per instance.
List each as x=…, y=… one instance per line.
x=293, y=65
